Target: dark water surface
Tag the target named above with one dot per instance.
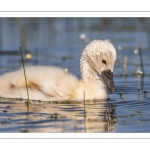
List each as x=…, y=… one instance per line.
x=55, y=41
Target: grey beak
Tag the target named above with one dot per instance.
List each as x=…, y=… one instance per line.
x=107, y=76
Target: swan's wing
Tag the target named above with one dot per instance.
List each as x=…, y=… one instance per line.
x=52, y=82
x=50, y=89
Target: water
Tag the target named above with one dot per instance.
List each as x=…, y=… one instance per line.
x=127, y=109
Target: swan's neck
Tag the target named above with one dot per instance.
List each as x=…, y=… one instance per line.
x=88, y=74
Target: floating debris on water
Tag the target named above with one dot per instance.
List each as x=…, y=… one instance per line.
x=145, y=92
x=28, y=56
x=4, y=111
x=136, y=51
x=119, y=48
x=24, y=130
x=139, y=73
x=82, y=36
x=66, y=70
x=120, y=94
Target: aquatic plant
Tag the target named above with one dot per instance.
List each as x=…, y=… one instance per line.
x=140, y=53
x=66, y=70
x=139, y=73
x=24, y=73
x=125, y=65
x=28, y=56
x=120, y=94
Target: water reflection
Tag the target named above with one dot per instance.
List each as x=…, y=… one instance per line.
x=94, y=116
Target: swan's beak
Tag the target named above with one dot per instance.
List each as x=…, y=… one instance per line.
x=107, y=76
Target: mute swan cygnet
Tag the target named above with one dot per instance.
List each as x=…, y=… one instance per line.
x=50, y=83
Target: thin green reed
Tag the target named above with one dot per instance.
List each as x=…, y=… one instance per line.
x=142, y=66
x=24, y=73
x=140, y=53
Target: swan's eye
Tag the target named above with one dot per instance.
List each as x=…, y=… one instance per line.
x=104, y=62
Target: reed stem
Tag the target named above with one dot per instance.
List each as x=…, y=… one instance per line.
x=140, y=53
x=24, y=74
x=138, y=81
x=125, y=65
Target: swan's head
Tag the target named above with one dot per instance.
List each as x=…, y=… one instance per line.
x=101, y=56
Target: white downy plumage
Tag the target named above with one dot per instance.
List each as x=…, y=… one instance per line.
x=50, y=83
